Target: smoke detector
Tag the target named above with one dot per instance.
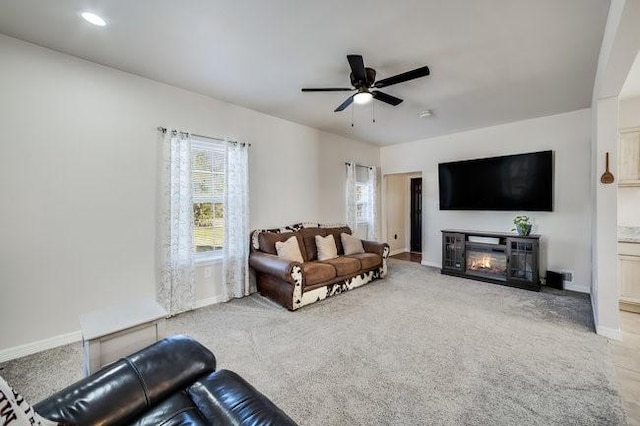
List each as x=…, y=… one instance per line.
x=425, y=114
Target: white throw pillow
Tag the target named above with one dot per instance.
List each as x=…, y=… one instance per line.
x=351, y=245
x=326, y=247
x=16, y=411
x=289, y=250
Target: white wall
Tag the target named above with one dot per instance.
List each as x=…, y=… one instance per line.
x=78, y=181
x=565, y=232
x=629, y=197
x=605, y=276
x=629, y=113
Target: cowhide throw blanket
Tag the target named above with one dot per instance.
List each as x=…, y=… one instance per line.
x=15, y=411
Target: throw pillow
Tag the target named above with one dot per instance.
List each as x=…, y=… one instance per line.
x=16, y=409
x=289, y=250
x=326, y=247
x=352, y=245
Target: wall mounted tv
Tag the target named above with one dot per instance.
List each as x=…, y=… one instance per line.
x=513, y=182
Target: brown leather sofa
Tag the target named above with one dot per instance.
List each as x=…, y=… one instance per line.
x=294, y=284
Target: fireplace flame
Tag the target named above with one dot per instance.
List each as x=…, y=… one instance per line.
x=484, y=263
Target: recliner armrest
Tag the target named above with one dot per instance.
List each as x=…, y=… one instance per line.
x=273, y=265
x=226, y=398
x=376, y=247
x=121, y=391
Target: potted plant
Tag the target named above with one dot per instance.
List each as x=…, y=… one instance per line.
x=522, y=225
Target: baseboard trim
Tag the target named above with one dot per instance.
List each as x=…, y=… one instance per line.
x=209, y=301
x=629, y=306
x=610, y=333
x=397, y=251
x=432, y=264
x=577, y=288
x=39, y=346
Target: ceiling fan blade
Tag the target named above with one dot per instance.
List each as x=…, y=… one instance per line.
x=357, y=67
x=381, y=96
x=328, y=89
x=401, y=78
x=345, y=104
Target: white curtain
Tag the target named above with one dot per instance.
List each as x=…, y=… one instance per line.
x=236, y=222
x=176, y=272
x=351, y=196
x=372, y=204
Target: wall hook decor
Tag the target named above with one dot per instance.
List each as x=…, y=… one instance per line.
x=607, y=177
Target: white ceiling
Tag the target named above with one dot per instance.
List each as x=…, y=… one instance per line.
x=492, y=61
x=631, y=88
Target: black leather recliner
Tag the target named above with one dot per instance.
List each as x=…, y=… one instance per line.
x=172, y=382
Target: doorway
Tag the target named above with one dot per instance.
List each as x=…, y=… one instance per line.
x=402, y=215
x=416, y=215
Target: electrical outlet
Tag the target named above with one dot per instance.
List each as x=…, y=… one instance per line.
x=207, y=272
x=395, y=236
x=567, y=276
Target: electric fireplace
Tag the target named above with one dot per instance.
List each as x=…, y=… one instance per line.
x=486, y=262
x=494, y=257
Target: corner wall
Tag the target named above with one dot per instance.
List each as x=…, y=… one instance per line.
x=620, y=45
x=78, y=182
x=566, y=237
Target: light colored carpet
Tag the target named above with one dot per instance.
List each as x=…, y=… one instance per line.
x=415, y=348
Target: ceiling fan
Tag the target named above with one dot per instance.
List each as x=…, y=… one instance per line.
x=364, y=79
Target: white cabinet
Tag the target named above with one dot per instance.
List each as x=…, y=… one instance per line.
x=113, y=333
x=629, y=276
x=629, y=154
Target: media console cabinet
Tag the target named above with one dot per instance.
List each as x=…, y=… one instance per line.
x=500, y=258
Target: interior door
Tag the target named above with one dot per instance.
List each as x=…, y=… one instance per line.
x=416, y=215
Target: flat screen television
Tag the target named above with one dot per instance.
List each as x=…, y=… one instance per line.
x=512, y=183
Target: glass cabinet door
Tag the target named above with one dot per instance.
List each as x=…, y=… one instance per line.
x=522, y=258
x=453, y=251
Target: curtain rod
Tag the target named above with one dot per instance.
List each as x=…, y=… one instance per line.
x=164, y=130
x=359, y=165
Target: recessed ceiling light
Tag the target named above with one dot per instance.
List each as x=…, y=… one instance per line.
x=425, y=114
x=94, y=19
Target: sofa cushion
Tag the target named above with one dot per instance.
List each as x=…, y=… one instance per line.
x=317, y=272
x=336, y=236
x=309, y=238
x=351, y=245
x=268, y=240
x=326, y=247
x=344, y=265
x=290, y=249
x=367, y=260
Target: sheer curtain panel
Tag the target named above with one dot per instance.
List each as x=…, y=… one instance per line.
x=176, y=272
x=236, y=222
x=372, y=203
x=351, y=196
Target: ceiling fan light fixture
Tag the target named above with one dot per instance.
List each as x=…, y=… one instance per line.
x=362, y=98
x=94, y=19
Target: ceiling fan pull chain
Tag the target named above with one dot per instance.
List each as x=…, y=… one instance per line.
x=373, y=112
x=351, y=115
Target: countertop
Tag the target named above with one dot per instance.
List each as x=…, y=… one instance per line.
x=629, y=234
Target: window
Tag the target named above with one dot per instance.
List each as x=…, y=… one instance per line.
x=362, y=201
x=208, y=186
